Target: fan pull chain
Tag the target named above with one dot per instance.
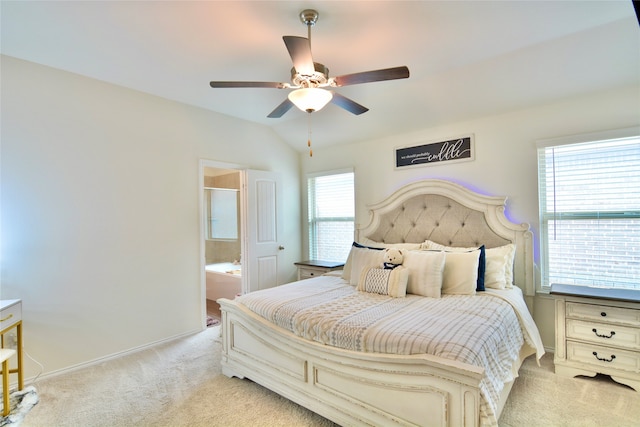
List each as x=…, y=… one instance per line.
x=309, y=138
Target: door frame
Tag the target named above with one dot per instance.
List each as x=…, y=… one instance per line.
x=206, y=163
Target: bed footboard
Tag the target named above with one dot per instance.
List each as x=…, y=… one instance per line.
x=349, y=388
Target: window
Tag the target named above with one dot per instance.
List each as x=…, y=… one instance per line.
x=221, y=213
x=590, y=210
x=331, y=215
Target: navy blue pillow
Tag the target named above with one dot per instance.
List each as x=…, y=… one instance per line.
x=358, y=245
x=482, y=263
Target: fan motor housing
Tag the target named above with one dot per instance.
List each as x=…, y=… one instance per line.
x=319, y=78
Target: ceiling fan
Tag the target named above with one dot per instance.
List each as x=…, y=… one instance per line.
x=309, y=79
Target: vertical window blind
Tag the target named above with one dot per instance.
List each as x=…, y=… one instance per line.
x=590, y=213
x=331, y=215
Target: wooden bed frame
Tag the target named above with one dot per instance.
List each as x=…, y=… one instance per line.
x=353, y=388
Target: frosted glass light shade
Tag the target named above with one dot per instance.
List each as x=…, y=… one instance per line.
x=310, y=99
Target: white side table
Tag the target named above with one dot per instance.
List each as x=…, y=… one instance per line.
x=10, y=318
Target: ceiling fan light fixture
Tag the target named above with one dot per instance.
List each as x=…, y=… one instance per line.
x=310, y=99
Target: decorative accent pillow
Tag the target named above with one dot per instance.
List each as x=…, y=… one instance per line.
x=506, y=255
x=346, y=270
x=460, y=272
x=370, y=244
x=363, y=258
x=426, y=270
x=494, y=274
x=384, y=281
x=482, y=261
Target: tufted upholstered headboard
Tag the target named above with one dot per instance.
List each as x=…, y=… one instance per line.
x=452, y=215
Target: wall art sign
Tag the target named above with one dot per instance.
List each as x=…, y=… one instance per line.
x=452, y=150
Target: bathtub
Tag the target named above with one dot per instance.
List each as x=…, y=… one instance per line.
x=224, y=280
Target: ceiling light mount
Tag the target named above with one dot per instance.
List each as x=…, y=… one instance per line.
x=309, y=17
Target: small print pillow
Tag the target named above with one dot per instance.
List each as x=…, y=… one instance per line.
x=384, y=281
x=425, y=272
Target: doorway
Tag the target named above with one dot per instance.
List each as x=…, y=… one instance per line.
x=243, y=253
x=221, y=235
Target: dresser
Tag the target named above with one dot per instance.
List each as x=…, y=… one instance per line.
x=10, y=322
x=598, y=331
x=312, y=268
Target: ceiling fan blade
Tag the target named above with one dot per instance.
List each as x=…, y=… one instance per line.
x=373, y=76
x=281, y=109
x=300, y=52
x=348, y=104
x=275, y=85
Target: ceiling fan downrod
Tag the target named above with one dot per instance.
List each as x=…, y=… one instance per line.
x=309, y=17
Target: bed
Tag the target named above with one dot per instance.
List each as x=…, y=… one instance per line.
x=336, y=345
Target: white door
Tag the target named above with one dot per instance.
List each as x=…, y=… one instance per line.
x=262, y=202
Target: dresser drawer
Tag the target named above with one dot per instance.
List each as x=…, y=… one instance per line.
x=10, y=316
x=603, y=313
x=604, y=334
x=603, y=357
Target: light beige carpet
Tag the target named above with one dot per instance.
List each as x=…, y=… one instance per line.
x=180, y=384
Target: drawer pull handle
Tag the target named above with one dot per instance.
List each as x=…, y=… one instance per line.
x=6, y=318
x=604, y=359
x=603, y=314
x=595, y=331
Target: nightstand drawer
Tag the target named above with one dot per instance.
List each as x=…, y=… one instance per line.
x=604, y=334
x=314, y=268
x=603, y=313
x=307, y=273
x=10, y=316
x=603, y=357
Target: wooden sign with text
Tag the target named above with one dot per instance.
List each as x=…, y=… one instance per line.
x=458, y=149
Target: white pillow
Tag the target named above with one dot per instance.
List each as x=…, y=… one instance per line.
x=460, y=273
x=425, y=272
x=503, y=255
x=494, y=270
x=498, y=272
x=362, y=258
x=346, y=270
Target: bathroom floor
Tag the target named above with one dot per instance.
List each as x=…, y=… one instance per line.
x=213, y=309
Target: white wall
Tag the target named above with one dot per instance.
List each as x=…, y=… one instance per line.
x=100, y=221
x=505, y=160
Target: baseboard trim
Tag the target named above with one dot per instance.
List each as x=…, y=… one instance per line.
x=112, y=356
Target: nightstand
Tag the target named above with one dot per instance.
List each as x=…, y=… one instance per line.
x=312, y=268
x=598, y=331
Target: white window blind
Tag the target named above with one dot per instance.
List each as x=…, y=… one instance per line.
x=331, y=215
x=590, y=213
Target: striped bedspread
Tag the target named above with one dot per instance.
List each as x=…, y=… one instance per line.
x=482, y=330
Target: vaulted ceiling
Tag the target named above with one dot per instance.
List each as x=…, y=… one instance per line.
x=466, y=58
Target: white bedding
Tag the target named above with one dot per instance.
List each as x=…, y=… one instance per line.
x=481, y=330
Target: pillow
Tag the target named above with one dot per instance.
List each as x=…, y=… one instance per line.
x=480, y=281
x=425, y=272
x=346, y=270
x=403, y=246
x=460, y=274
x=504, y=255
x=362, y=258
x=370, y=244
x=384, y=281
x=494, y=273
